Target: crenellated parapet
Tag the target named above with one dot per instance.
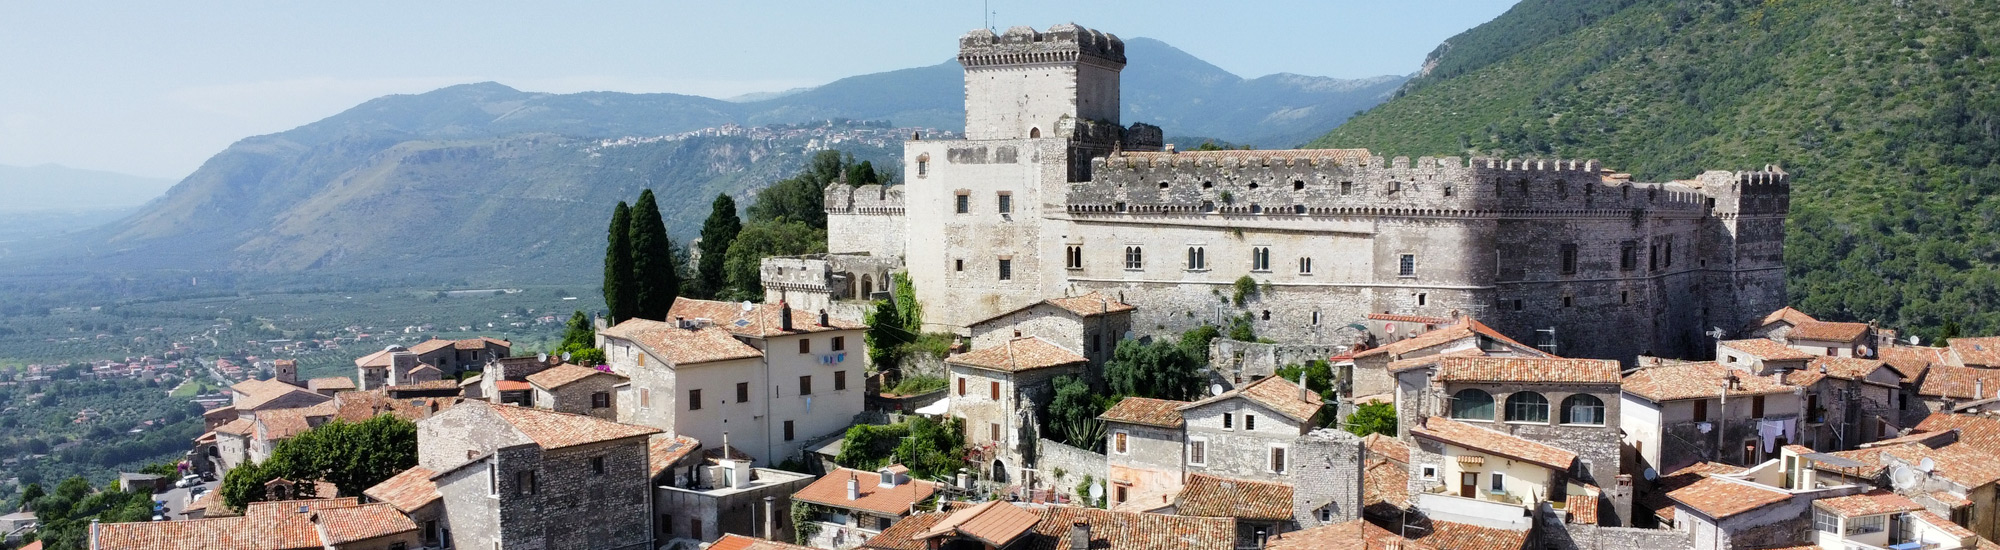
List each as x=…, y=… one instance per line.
x=885, y=200
x=1062, y=43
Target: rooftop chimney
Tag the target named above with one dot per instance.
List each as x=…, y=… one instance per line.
x=853, y=488
x=784, y=315
x=680, y=322
x=1079, y=536
x=823, y=319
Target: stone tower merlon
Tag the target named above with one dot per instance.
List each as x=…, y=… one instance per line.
x=1025, y=83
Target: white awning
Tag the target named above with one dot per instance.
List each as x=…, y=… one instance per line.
x=934, y=409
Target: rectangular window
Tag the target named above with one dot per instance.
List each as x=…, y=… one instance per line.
x=1423, y=298
x=1229, y=421
x=1667, y=257
x=1628, y=255
x=1134, y=258
x=1569, y=259
x=1346, y=188
x=805, y=345
x=742, y=392
x=694, y=400
x=1249, y=422
x=1305, y=266
x=597, y=465
x=964, y=203
x=1197, y=258
x=1866, y=524
x=1197, y=452
x=1407, y=267
x=694, y=528
x=524, y=482
x=1121, y=494
x=958, y=265
x=788, y=430
x=1118, y=442
x=600, y=400
x=1428, y=471
x=1006, y=270
x=1825, y=522
x=492, y=479
x=961, y=386
x=839, y=380
x=806, y=385
x=645, y=398
x=1277, y=460
x=840, y=343
x=1700, y=411
x=1073, y=258
x=1260, y=258
x=1757, y=407
x=1006, y=202
x=994, y=388
x=994, y=428
x=1499, y=483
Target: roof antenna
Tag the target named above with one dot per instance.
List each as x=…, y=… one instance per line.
x=987, y=8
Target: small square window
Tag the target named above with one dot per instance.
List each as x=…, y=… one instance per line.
x=1006, y=202
x=1430, y=472
x=597, y=465
x=1006, y=270
x=1407, y=266
x=958, y=265
x=839, y=343
x=805, y=345
x=964, y=203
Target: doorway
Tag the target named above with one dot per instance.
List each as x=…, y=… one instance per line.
x=1468, y=484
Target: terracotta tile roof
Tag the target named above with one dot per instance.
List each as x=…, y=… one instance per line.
x=1976, y=430
x=427, y=385
x=1766, y=349
x=431, y=345
x=240, y=426
x=480, y=343
x=1719, y=498
x=682, y=346
x=554, y=430
x=368, y=521
x=762, y=321
x=1397, y=318
x=330, y=383
x=1942, y=497
x=265, y=526
x=37, y=545
x=1871, y=503
x=1582, y=509
x=1274, y=392
x=1870, y=459
x=1527, y=369
x=1912, y=361
x=1845, y=368
x=1401, y=365
x=1443, y=335
x=1963, y=463
x=1347, y=535
x=1960, y=382
x=663, y=451
x=358, y=406
x=378, y=359
x=202, y=502
x=902, y=535
x=1928, y=439
x=1387, y=447
x=1090, y=304
x=740, y=542
x=1484, y=440
x=995, y=523
x=1825, y=331
x=1018, y=355
x=1945, y=525
x=1164, y=413
x=279, y=424
x=831, y=490
x=565, y=374
x=407, y=491
x=1210, y=496
x=258, y=393
x=1788, y=315
x=512, y=385
x=1697, y=381
x=1447, y=535
x=1983, y=351
x=1386, y=482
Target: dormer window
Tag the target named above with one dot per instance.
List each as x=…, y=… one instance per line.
x=888, y=479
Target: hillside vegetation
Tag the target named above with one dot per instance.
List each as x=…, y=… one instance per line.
x=1885, y=112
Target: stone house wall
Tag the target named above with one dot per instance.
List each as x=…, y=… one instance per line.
x=867, y=219
x=575, y=397
x=1327, y=481
x=1022, y=397
x=1240, y=361
x=1238, y=452
x=1093, y=337
x=1075, y=464
x=579, y=508
x=1153, y=460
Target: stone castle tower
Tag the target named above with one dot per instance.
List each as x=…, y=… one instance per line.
x=1049, y=195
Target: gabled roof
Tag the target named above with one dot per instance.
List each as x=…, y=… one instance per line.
x=663, y=451
x=285, y=525
x=432, y=345
x=258, y=393
x=1275, y=393
x=1766, y=349
x=480, y=343
x=761, y=321
x=1912, y=361
x=995, y=523
x=379, y=359
x=1466, y=328
x=1845, y=368
x=1090, y=304
x=1348, y=535
x=565, y=374
x=1702, y=380
x=1657, y=500
x=1431, y=360
x=358, y=523
x=330, y=383
x=1872, y=503
x=682, y=346
x=831, y=490
x=1976, y=430
x=1109, y=529
x=1527, y=369
x=1982, y=351
x=407, y=491
x=1484, y=440
x=1146, y=411
x=1787, y=315
x=1019, y=355
x=1210, y=496
x=555, y=430
x=1960, y=382
x=1720, y=498
x=1964, y=462
x=1387, y=447
x=1825, y=331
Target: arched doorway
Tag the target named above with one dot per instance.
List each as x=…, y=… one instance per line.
x=1034, y=132
x=999, y=472
x=867, y=287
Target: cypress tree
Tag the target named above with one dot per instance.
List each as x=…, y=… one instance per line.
x=619, y=294
x=654, y=272
x=716, y=234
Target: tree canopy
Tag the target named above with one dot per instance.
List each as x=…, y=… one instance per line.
x=1373, y=418
x=931, y=449
x=351, y=456
x=717, y=233
x=1160, y=370
x=655, y=270
x=764, y=239
x=622, y=301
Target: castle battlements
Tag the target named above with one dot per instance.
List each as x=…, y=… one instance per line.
x=884, y=200
x=1063, y=43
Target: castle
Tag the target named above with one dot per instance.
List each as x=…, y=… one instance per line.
x=1048, y=195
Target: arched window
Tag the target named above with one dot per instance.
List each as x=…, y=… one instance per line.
x=1527, y=406
x=1472, y=404
x=1583, y=408
x=1034, y=132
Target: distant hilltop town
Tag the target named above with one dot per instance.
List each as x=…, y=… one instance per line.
x=1439, y=354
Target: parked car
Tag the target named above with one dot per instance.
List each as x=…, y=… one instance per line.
x=189, y=481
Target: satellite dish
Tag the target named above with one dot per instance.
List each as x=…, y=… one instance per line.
x=565, y=356
x=1096, y=491
x=1650, y=474
x=1902, y=477
x=1862, y=350
x=1926, y=465
x=542, y=357
x=1215, y=389
x=1914, y=340
x=747, y=306
x=1388, y=327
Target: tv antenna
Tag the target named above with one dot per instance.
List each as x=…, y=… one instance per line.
x=986, y=10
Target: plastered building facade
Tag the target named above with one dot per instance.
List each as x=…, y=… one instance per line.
x=1049, y=195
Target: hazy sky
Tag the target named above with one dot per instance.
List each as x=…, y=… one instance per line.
x=155, y=88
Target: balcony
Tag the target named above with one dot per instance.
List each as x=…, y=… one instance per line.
x=1483, y=512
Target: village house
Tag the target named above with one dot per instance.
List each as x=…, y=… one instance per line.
x=997, y=390
x=776, y=378
x=577, y=389
x=1246, y=433
x=1946, y=464
x=514, y=477
x=1769, y=505
x=1260, y=509
x=1465, y=336
x=1425, y=534
x=1881, y=519
x=317, y=524
x=1947, y=388
x=1143, y=452
x=415, y=494
x=451, y=357
x=699, y=498
x=1090, y=324
x=1471, y=474
x=1800, y=331
x=854, y=506
x=1679, y=414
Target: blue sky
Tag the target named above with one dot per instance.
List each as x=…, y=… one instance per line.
x=155, y=88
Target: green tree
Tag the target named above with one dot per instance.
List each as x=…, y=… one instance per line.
x=655, y=272
x=717, y=233
x=1316, y=375
x=621, y=299
x=1159, y=370
x=32, y=493
x=352, y=456
x=931, y=449
x=1373, y=418
x=894, y=324
x=760, y=240
x=1073, y=413
x=244, y=484
x=801, y=198
x=578, y=334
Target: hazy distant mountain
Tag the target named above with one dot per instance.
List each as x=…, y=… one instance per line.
x=483, y=178
x=56, y=187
